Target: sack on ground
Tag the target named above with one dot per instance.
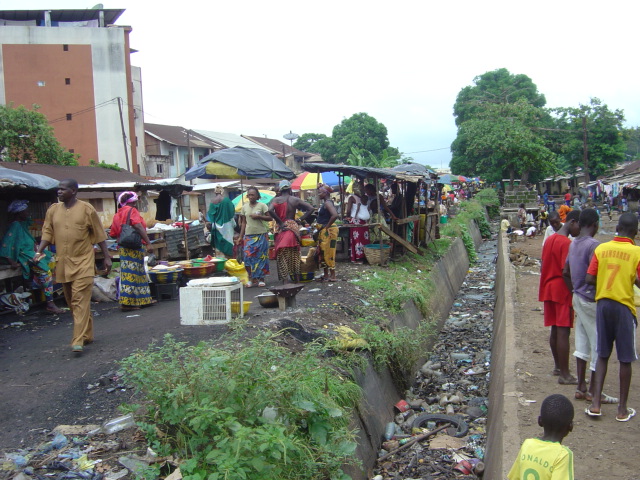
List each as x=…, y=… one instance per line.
x=104, y=290
x=309, y=263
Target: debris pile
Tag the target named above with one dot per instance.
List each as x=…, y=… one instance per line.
x=439, y=431
x=85, y=452
x=521, y=259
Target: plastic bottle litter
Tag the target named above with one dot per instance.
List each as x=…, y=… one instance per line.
x=390, y=430
x=116, y=424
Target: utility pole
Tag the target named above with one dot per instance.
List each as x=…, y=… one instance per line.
x=585, y=151
x=189, y=157
x=124, y=135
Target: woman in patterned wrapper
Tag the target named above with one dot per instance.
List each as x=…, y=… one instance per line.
x=18, y=247
x=134, y=288
x=287, y=243
x=358, y=214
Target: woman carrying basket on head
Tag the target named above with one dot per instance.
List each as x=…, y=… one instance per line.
x=134, y=287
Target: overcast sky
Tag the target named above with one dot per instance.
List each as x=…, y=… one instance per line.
x=270, y=67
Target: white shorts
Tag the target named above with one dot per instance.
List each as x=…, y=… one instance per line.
x=585, y=329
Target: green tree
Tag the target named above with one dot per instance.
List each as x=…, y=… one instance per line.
x=306, y=141
x=633, y=143
x=500, y=140
x=361, y=158
x=496, y=118
x=605, y=136
x=362, y=132
x=25, y=135
x=495, y=87
x=326, y=148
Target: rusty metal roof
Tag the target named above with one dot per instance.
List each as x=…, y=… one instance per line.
x=110, y=15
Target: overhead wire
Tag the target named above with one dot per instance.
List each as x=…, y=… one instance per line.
x=86, y=110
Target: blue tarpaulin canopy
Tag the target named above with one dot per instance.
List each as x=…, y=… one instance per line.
x=248, y=162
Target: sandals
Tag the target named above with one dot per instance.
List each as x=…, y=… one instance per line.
x=580, y=395
x=262, y=284
x=630, y=414
x=592, y=414
x=567, y=381
x=604, y=398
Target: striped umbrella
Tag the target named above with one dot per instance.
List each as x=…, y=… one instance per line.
x=309, y=181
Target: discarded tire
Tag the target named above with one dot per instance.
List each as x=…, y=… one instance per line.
x=461, y=426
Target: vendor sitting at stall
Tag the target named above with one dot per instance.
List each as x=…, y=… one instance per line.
x=18, y=247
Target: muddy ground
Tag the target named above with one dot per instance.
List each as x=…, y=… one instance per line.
x=603, y=448
x=44, y=384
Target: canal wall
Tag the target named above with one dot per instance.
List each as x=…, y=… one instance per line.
x=379, y=391
x=503, y=435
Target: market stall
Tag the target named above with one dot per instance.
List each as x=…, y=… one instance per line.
x=414, y=211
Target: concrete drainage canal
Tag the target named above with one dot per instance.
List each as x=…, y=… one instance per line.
x=438, y=428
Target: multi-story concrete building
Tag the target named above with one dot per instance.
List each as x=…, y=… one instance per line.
x=75, y=64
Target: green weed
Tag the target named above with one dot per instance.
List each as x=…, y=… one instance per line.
x=256, y=412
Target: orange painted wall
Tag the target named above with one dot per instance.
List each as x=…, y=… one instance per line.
x=26, y=65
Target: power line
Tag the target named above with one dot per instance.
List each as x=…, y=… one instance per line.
x=425, y=151
x=86, y=110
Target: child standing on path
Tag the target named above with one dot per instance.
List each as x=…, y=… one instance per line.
x=614, y=269
x=545, y=458
x=555, y=292
x=584, y=303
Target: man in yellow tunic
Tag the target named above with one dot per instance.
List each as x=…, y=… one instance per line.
x=73, y=226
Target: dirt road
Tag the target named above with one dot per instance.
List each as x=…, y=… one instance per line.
x=602, y=448
x=43, y=384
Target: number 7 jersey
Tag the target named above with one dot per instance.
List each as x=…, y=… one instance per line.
x=616, y=265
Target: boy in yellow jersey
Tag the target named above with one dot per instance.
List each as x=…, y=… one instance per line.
x=545, y=458
x=614, y=269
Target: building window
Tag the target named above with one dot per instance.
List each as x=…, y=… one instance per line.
x=171, y=160
x=158, y=168
x=42, y=83
x=67, y=81
x=69, y=116
x=72, y=150
x=97, y=204
x=65, y=48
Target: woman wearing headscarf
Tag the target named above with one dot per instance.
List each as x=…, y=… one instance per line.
x=134, y=288
x=221, y=213
x=18, y=247
x=358, y=214
x=287, y=239
x=327, y=234
x=254, y=234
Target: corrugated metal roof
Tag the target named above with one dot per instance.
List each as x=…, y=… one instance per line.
x=83, y=175
x=230, y=140
x=110, y=15
x=278, y=146
x=176, y=135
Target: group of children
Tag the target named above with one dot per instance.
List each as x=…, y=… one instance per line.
x=596, y=281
